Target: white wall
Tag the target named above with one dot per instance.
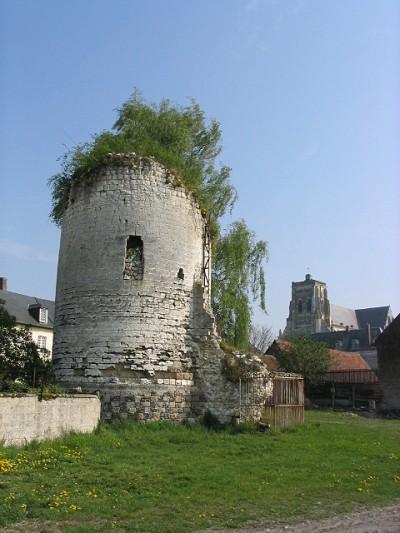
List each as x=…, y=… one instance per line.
x=25, y=418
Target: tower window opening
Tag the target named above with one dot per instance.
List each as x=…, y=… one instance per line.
x=300, y=306
x=134, y=261
x=309, y=305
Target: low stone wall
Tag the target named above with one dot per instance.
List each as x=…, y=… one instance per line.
x=25, y=418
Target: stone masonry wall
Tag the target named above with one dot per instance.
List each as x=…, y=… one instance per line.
x=141, y=335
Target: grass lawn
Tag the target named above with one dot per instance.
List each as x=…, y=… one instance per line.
x=166, y=478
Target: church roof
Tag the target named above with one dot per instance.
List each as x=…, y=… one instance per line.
x=375, y=316
x=343, y=316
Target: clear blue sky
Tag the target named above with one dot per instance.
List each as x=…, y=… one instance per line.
x=307, y=94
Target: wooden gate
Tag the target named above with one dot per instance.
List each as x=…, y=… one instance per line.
x=286, y=405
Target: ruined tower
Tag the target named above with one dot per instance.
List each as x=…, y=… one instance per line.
x=309, y=309
x=133, y=319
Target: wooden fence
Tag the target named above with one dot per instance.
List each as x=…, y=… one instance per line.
x=286, y=405
x=368, y=377
x=283, y=408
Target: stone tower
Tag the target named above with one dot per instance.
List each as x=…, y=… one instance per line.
x=309, y=309
x=133, y=319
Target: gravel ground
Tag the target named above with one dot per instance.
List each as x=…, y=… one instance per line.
x=382, y=520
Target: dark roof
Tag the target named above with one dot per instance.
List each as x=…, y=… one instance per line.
x=18, y=305
x=346, y=337
x=375, y=316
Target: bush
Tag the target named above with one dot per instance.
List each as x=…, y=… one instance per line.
x=210, y=421
x=20, y=358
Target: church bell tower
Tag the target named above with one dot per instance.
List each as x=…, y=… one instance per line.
x=309, y=309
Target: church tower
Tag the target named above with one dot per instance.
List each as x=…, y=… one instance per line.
x=309, y=309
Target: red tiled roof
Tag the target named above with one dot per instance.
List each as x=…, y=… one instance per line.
x=340, y=360
x=279, y=343
x=270, y=361
x=347, y=361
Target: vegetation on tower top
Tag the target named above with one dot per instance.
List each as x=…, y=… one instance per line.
x=178, y=137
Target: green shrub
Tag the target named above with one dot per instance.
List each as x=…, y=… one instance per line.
x=210, y=421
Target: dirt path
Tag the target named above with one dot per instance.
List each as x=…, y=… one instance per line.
x=382, y=520
x=379, y=520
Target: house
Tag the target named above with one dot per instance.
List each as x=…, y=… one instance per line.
x=340, y=361
x=36, y=314
x=353, y=340
x=388, y=346
x=349, y=382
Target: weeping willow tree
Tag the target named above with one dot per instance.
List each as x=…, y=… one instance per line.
x=183, y=140
x=238, y=275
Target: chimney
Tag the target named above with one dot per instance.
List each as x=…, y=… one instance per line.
x=3, y=284
x=369, y=334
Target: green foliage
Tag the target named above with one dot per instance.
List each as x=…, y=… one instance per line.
x=6, y=320
x=19, y=356
x=136, y=477
x=305, y=356
x=19, y=387
x=178, y=137
x=237, y=274
x=210, y=421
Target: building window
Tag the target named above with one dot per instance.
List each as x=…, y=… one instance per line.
x=300, y=306
x=355, y=344
x=134, y=258
x=43, y=315
x=309, y=305
x=41, y=342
